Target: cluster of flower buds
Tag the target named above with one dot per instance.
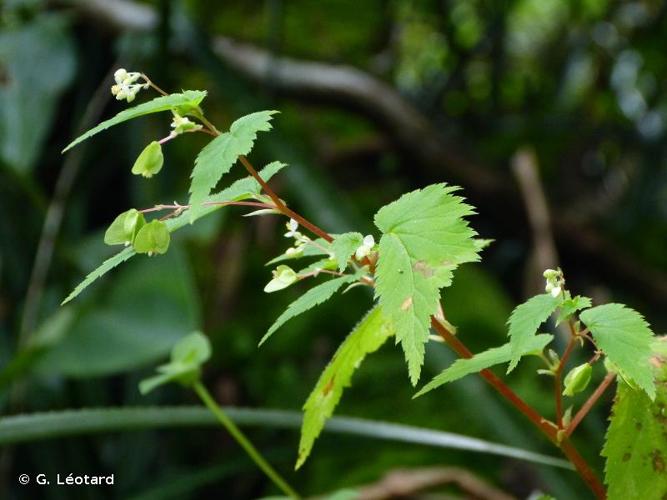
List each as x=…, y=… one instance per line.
x=555, y=281
x=365, y=248
x=181, y=124
x=300, y=239
x=126, y=87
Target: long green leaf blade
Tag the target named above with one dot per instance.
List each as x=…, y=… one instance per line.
x=57, y=424
x=100, y=271
x=366, y=338
x=189, y=98
x=219, y=155
x=491, y=357
x=625, y=337
x=313, y=297
x=524, y=322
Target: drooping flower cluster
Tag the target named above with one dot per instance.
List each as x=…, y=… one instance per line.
x=126, y=87
x=555, y=281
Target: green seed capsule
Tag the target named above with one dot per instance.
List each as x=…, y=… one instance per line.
x=150, y=161
x=577, y=379
x=124, y=228
x=152, y=238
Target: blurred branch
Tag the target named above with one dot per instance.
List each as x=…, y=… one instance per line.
x=50, y=425
x=410, y=130
x=408, y=482
x=524, y=167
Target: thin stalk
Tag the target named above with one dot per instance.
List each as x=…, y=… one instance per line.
x=558, y=376
x=545, y=426
x=586, y=407
x=242, y=440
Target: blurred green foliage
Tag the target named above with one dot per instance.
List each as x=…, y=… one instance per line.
x=580, y=82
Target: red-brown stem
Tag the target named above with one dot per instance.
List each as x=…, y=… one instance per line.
x=590, y=402
x=280, y=205
x=459, y=347
x=558, y=376
x=545, y=426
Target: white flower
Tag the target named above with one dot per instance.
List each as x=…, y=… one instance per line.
x=365, y=248
x=125, y=87
x=555, y=281
x=292, y=227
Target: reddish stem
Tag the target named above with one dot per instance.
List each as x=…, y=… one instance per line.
x=280, y=205
x=590, y=402
x=545, y=426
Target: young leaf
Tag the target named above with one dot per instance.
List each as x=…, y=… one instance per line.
x=625, y=337
x=187, y=356
x=491, y=357
x=344, y=245
x=313, y=297
x=425, y=237
x=219, y=155
x=525, y=320
x=570, y=306
x=104, y=268
x=189, y=98
x=366, y=338
x=636, y=445
x=239, y=190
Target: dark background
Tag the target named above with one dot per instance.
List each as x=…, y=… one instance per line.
x=517, y=101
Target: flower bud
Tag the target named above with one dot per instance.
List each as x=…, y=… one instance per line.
x=577, y=379
x=152, y=238
x=124, y=228
x=150, y=161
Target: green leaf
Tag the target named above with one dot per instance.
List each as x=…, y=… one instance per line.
x=425, y=237
x=525, y=320
x=344, y=245
x=148, y=306
x=219, y=155
x=241, y=189
x=570, y=306
x=191, y=98
x=152, y=238
x=313, y=297
x=491, y=357
x=104, y=268
x=636, y=445
x=625, y=337
x=364, y=339
x=187, y=356
x=150, y=161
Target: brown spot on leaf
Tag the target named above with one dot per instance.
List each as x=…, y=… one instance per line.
x=407, y=304
x=638, y=426
x=423, y=268
x=658, y=461
x=626, y=456
x=329, y=386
